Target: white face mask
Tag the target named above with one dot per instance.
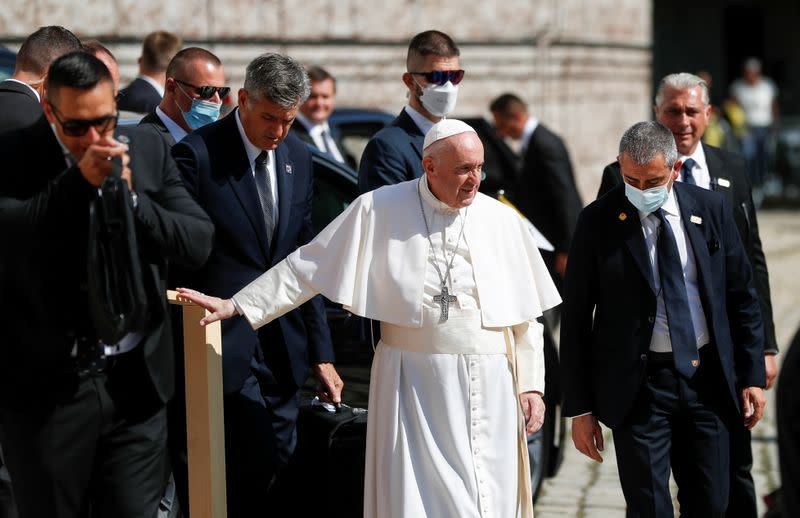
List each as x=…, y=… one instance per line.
x=439, y=100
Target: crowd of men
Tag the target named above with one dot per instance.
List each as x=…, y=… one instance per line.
x=667, y=334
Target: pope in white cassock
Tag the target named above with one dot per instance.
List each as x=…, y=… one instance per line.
x=458, y=283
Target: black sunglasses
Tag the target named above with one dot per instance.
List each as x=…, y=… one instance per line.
x=440, y=77
x=207, y=92
x=79, y=127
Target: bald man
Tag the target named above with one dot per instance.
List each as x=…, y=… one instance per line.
x=193, y=93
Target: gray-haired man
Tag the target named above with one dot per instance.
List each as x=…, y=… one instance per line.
x=255, y=182
x=661, y=333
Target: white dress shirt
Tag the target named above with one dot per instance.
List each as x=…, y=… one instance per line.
x=530, y=126
x=700, y=168
x=174, y=129
x=324, y=142
x=660, y=341
x=420, y=120
x=252, y=154
x=155, y=84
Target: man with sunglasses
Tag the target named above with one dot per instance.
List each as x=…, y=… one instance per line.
x=85, y=421
x=255, y=181
x=432, y=77
x=193, y=95
x=20, y=108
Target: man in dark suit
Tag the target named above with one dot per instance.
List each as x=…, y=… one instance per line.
x=84, y=421
x=682, y=105
x=313, y=127
x=432, y=76
x=193, y=94
x=194, y=89
x=20, y=108
x=20, y=95
x=145, y=92
x=661, y=335
x=256, y=184
x=546, y=191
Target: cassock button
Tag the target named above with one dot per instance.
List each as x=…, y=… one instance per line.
x=643, y=357
x=651, y=319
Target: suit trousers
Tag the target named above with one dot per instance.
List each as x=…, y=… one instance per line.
x=86, y=454
x=260, y=436
x=682, y=424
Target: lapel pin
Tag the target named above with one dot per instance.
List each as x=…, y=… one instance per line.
x=695, y=363
x=697, y=220
x=723, y=182
x=288, y=168
x=622, y=216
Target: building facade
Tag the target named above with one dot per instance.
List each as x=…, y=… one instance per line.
x=584, y=66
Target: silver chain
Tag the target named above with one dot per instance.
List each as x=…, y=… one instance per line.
x=446, y=276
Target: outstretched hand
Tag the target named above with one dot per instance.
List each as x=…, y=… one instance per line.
x=220, y=309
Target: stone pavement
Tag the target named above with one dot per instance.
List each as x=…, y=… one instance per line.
x=586, y=489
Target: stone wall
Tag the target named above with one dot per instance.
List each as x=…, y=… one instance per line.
x=583, y=65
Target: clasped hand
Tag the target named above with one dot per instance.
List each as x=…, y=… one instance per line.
x=95, y=164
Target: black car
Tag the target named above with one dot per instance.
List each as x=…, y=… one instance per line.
x=336, y=186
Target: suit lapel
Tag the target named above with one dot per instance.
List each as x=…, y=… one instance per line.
x=631, y=229
x=284, y=172
x=626, y=220
x=720, y=182
x=694, y=231
x=243, y=184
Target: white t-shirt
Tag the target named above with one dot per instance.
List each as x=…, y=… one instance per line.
x=756, y=100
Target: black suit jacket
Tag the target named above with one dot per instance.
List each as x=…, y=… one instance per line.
x=19, y=106
x=547, y=194
x=152, y=122
x=139, y=96
x=217, y=172
x=392, y=156
x=610, y=302
x=45, y=305
x=729, y=178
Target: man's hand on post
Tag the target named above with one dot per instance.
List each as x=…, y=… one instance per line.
x=753, y=402
x=330, y=389
x=220, y=308
x=772, y=369
x=95, y=164
x=533, y=408
x=588, y=436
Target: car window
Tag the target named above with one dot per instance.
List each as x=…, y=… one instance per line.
x=356, y=135
x=333, y=192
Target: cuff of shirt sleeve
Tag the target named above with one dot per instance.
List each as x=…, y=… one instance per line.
x=237, y=307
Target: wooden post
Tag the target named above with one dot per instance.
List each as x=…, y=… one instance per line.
x=205, y=433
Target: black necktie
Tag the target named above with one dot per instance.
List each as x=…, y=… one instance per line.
x=676, y=301
x=263, y=183
x=686, y=171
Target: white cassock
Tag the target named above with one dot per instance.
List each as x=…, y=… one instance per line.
x=445, y=435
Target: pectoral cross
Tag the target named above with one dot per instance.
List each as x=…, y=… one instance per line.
x=444, y=299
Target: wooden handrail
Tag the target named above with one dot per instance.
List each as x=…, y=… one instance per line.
x=205, y=432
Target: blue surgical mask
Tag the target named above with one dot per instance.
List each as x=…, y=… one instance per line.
x=201, y=113
x=649, y=200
